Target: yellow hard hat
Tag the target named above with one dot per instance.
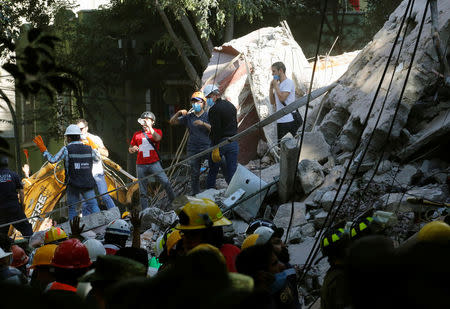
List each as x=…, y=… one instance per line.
x=436, y=231
x=215, y=155
x=249, y=241
x=126, y=214
x=198, y=95
x=210, y=248
x=200, y=214
x=43, y=255
x=54, y=234
x=172, y=239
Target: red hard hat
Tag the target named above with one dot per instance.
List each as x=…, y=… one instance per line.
x=19, y=256
x=71, y=253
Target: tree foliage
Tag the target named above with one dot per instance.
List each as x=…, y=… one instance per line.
x=15, y=13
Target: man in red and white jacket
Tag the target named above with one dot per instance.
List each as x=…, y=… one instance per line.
x=146, y=144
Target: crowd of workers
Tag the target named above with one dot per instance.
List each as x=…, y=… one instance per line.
x=198, y=265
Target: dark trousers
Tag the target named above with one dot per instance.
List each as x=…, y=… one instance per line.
x=195, y=169
x=230, y=152
x=14, y=213
x=284, y=127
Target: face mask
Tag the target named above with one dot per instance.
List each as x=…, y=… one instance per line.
x=197, y=107
x=281, y=279
x=210, y=101
x=83, y=136
x=276, y=77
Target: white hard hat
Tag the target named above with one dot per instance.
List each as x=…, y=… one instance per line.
x=265, y=233
x=4, y=254
x=118, y=227
x=159, y=245
x=95, y=248
x=73, y=129
x=209, y=89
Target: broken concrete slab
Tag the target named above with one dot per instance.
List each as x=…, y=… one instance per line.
x=392, y=201
x=333, y=178
x=211, y=194
x=328, y=198
x=284, y=215
x=95, y=220
x=299, y=252
x=405, y=175
x=438, y=128
x=158, y=217
x=288, y=164
x=295, y=235
x=357, y=87
x=319, y=219
x=311, y=175
x=308, y=230
x=315, y=147
x=262, y=148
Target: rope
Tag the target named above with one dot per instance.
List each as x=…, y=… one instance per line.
x=315, y=248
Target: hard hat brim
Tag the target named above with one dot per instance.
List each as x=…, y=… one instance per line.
x=222, y=222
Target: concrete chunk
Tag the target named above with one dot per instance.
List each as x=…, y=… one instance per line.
x=311, y=175
x=284, y=215
x=95, y=220
x=315, y=147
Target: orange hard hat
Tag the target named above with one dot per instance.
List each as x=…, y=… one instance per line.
x=71, y=253
x=197, y=96
x=20, y=258
x=43, y=255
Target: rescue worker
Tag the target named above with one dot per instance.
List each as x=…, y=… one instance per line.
x=78, y=161
x=9, y=274
x=198, y=125
x=116, y=235
x=41, y=275
x=223, y=120
x=269, y=274
x=11, y=200
x=97, y=168
x=109, y=271
x=55, y=235
x=335, y=290
x=20, y=259
x=146, y=144
x=95, y=249
x=201, y=221
x=70, y=261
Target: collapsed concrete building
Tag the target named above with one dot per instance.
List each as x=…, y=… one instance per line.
x=401, y=168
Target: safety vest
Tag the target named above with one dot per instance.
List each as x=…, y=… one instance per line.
x=79, y=171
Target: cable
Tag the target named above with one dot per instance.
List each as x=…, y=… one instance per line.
x=300, y=142
x=315, y=248
x=380, y=113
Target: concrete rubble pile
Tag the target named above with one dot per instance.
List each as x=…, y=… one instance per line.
x=408, y=171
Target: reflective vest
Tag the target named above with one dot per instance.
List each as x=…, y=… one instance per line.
x=79, y=171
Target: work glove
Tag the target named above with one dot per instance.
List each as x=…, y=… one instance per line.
x=91, y=143
x=40, y=143
x=215, y=155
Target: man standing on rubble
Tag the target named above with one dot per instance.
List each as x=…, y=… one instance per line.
x=281, y=94
x=78, y=159
x=97, y=169
x=223, y=120
x=146, y=144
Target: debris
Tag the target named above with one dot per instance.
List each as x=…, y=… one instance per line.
x=288, y=165
x=284, y=215
x=311, y=175
x=315, y=147
x=95, y=220
x=250, y=183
